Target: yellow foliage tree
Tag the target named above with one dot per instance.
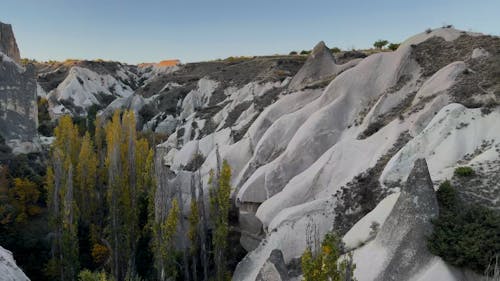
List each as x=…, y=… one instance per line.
x=86, y=176
x=26, y=196
x=61, y=201
x=326, y=264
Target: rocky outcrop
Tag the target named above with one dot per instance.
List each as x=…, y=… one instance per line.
x=405, y=231
x=18, y=107
x=9, y=271
x=8, y=43
x=319, y=65
x=274, y=269
x=320, y=68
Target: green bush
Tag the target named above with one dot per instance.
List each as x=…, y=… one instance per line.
x=464, y=171
x=293, y=53
x=393, y=46
x=304, y=52
x=447, y=197
x=464, y=235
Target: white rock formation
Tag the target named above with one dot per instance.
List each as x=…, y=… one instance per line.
x=8, y=268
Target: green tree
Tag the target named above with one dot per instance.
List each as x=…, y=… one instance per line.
x=163, y=244
x=379, y=44
x=193, y=234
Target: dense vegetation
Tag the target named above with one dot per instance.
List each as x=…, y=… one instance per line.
x=464, y=235
x=23, y=220
x=96, y=188
x=89, y=211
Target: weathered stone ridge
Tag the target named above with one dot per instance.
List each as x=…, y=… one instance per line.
x=8, y=43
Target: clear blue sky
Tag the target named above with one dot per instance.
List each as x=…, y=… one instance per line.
x=152, y=30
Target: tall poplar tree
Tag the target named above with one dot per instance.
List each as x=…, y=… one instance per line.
x=220, y=204
x=61, y=200
x=129, y=167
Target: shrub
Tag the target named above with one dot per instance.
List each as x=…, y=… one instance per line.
x=335, y=50
x=374, y=228
x=447, y=197
x=464, y=235
x=379, y=44
x=100, y=253
x=25, y=61
x=393, y=46
x=304, y=52
x=293, y=53
x=464, y=171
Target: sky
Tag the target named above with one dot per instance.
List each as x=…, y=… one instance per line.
x=153, y=30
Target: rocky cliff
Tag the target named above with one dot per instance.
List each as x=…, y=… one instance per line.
x=8, y=43
x=18, y=106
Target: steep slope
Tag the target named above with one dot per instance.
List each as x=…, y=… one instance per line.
x=8, y=268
